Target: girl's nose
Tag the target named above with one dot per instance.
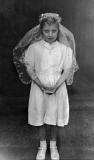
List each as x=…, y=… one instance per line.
x=50, y=34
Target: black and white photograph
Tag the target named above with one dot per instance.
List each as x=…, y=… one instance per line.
x=47, y=80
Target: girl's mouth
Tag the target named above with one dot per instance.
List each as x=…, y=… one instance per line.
x=50, y=38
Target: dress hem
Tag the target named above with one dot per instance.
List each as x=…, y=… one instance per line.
x=59, y=124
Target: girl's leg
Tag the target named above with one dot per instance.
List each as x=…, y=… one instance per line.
x=43, y=146
x=61, y=135
x=42, y=132
x=53, y=145
x=53, y=132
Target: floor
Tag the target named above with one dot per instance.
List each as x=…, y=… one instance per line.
x=19, y=141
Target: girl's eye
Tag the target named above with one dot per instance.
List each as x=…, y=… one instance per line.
x=46, y=31
x=54, y=31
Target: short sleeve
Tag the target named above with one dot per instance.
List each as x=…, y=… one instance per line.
x=68, y=59
x=29, y=57
x=70, y=65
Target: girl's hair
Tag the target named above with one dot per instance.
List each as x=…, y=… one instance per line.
x=49, y=21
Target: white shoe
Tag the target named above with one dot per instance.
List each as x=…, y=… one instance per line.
x=54, y=151
x=42, y=151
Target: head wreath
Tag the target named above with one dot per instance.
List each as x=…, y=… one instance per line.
x=47, y=15
x=33, y=35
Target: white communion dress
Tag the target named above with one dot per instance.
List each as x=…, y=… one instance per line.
x=48, y=61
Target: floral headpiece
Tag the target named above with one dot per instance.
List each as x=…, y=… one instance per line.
x=47, y=15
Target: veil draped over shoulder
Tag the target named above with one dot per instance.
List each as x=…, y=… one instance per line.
x=33, y=35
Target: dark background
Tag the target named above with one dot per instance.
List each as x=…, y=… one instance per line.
x=18, y=140
x=18, y=16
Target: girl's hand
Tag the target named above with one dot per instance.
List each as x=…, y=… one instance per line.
x=49, y=90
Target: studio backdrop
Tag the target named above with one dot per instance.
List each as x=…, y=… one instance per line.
x=18, y=16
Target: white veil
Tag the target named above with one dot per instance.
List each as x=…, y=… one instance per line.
x=33, y=35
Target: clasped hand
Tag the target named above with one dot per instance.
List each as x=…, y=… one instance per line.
x=49, y=90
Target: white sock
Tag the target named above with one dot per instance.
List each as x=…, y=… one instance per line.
x=43, y=144
x=53, y=144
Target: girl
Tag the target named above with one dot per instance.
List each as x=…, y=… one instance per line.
x=50, y=63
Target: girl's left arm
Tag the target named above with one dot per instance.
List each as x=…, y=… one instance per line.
x=67, y=68
x=63, y=78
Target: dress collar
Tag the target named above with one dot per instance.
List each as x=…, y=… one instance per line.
x=49, y=46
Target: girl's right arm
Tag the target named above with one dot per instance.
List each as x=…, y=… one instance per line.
x=29, y=61
x=33, y=76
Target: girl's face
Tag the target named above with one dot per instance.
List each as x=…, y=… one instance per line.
x=50, y=32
